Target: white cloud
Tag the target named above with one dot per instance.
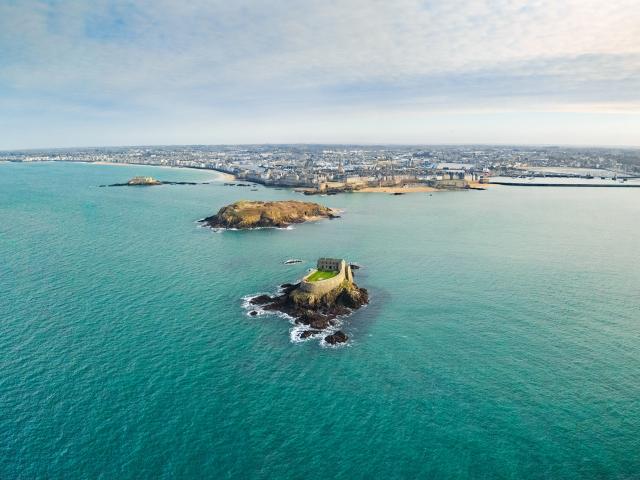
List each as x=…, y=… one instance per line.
x=235, y=58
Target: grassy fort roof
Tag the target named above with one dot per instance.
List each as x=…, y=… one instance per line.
x=319, y=275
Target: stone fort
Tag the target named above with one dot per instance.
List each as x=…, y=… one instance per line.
x=322, y=287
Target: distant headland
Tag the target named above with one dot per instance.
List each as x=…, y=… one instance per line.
x=247, y=214
x=323, y=295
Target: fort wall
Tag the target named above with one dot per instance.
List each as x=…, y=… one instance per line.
x=323, y=287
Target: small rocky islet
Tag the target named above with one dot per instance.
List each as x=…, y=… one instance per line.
x=150, y=182
x=249, y=214
x=316, y=304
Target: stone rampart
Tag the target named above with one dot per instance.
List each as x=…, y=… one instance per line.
x=323, y=287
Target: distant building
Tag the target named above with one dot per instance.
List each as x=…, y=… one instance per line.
x=330, y=264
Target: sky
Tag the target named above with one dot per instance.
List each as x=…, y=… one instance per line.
x=97, y=73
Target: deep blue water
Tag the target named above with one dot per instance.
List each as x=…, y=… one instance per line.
x=502, y=341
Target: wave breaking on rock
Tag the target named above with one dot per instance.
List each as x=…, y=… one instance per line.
x=314, y=313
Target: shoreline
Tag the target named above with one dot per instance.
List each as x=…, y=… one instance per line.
x=225, y=175
x=567, y=185
x=414, y=189
x=229, y=177
x=290, y=226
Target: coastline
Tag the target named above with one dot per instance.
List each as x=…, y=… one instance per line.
x=112, y=163
x=229, y=177
x=414, y=189
x=225, y=175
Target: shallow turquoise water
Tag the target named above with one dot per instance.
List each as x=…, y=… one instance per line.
x=503, y=338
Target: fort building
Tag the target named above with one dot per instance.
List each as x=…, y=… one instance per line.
x=329, y=274
x=330, y=264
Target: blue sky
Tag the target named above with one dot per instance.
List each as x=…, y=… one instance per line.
x=76, y=73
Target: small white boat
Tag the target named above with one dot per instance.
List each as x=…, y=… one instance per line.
x=292, y=260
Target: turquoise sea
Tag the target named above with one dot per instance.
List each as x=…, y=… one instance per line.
x=502, y=341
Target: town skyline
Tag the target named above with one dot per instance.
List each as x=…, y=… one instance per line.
x=315, y=169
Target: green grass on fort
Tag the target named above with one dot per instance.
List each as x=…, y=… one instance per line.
x=321, y=275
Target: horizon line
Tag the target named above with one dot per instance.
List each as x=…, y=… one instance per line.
x=342, y=144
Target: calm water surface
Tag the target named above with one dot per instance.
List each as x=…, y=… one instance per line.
x=503, y=338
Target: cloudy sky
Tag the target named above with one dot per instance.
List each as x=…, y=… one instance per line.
x=76, y=73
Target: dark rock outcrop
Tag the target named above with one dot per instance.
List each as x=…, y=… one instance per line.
x=317, y=312
x=320, y=323
x=289, y=287
x=309, y=333
x=337, y=337
x=261, y=300
x=307, y=317
x=149, y=182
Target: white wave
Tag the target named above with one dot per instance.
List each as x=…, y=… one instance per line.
x=223, y=229
x=296, y=328
x=249, y=307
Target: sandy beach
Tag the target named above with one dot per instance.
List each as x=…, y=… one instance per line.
x=480, y=186
x=225, y=176
x=111, y=163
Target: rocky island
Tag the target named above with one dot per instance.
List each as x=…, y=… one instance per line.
x=247, y=214
x=149, y=182
x=318, y=302
x=144, y=181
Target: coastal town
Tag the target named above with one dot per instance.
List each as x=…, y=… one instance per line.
x=344, y=168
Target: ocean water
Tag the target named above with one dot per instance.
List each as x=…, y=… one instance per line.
x=502, y=341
